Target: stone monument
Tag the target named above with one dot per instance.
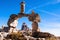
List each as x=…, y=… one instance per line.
x=35, y=19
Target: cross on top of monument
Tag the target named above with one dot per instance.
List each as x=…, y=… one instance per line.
x=22, y=7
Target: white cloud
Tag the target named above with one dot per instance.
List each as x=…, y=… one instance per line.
x=58, y=0
x=54, y=31
x=55, y=2
x=51, y=27
x=38, y=7
x=52, y=24
x=42, y=5
x=53, y=14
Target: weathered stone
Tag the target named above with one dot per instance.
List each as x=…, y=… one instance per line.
x=11, y=19
x=34, y=27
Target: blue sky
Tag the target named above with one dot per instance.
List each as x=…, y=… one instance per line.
x=48, y=10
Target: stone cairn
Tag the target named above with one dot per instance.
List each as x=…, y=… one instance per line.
x=35, y=19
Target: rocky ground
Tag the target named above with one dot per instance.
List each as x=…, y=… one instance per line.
x=21, y=36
